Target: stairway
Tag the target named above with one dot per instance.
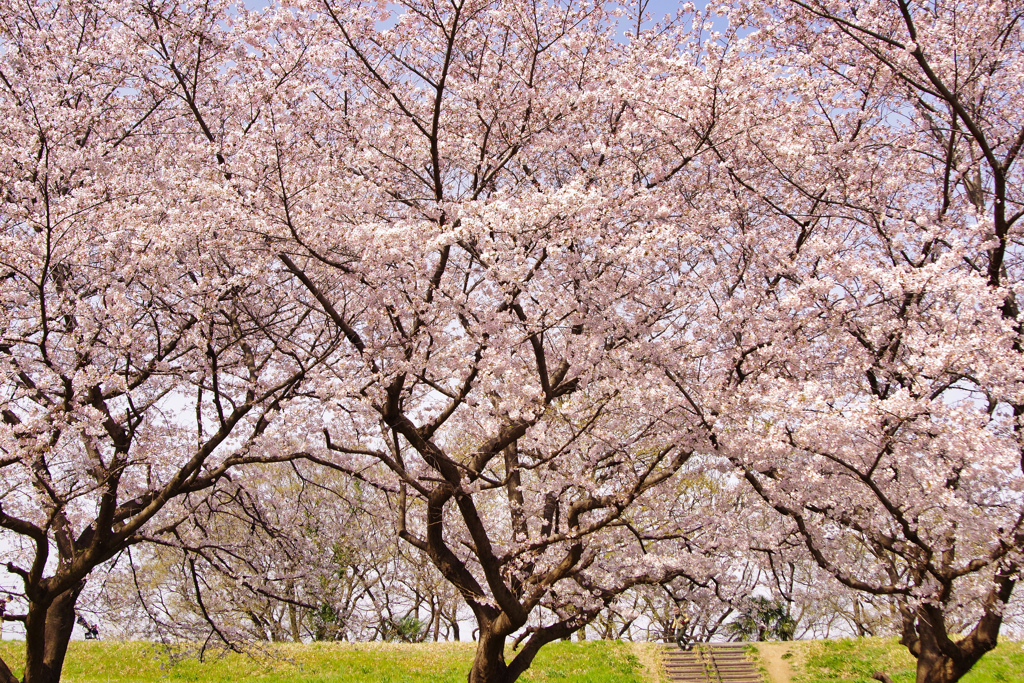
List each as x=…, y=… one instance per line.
x=710, y=663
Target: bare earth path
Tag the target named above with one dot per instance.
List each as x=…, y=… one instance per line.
x=779, y=670
x=649, y=657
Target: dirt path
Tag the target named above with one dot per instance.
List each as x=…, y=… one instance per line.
x=648, y=654
x=779, y=670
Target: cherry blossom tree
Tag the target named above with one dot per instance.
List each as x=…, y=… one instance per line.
x=526, y=269
x=281, y=552
x=184, y=246
x=472, y=214
x=875, y=392
x=146, y=348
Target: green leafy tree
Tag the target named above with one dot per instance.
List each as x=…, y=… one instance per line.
x=764, y=619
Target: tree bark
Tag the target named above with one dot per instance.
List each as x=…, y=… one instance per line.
x=6, y=675
x=489, y=665
x=939, y=659
x=48, y=628
x=489, y=661
x=936, y=666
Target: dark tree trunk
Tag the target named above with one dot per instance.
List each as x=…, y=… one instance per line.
x=489, y=661
x=47, y=634
x=941, y=660
x=934, y=666
x=945, y=665
x=6, y=675
x=489, y=665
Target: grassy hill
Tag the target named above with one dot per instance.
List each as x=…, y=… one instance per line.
x=853, y=660
x=834, y=661
x=133, y=662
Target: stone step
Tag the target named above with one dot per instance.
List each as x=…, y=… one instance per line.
x=717, y=646
x=686, y=657
x=710, y=663
x=698, y=665
x=721, y=665
x=703, y=676
x=698, y=662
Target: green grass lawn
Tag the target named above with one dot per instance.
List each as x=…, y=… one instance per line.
x=832, y=661
x=113, y=662
x=854, y=660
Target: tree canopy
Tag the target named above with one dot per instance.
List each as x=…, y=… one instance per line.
x=553, y=284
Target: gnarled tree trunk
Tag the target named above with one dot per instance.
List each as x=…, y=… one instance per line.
x=489, y=665
x=6, y=676
x=489, y=662
x=941, y=660
x=48, y=629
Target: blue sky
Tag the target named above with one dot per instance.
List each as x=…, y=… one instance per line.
x=657, y=8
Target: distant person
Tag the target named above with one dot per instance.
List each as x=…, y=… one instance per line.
x=91, y=631
x=680, y=624
x=3, y=611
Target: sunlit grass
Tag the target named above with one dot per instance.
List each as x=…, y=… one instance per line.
x=854, y=660
x=835, y=661
x=134, y=662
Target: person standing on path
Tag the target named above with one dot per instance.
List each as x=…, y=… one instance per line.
x=680, y=622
